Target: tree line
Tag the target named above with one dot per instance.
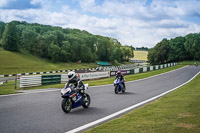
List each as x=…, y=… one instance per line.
x=142, y=48
x=61, y=44
x=176, y=49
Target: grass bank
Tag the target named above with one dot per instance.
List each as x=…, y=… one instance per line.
x=14, y=62
x=177, y=112
x=9, y=86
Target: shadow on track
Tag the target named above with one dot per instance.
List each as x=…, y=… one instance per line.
x=126, y=93
x=83, y=111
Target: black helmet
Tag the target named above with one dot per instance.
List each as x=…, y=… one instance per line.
x=118, y=72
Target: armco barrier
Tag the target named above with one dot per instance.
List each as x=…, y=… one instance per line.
x=132, y=71
x=28, y=81
x=51, y=79
x=93, y=75
x=148, y=68
x=137, y=70
x=36, y=73
x=111, y=68
x=37, y=80
x=124, y=72
x=140, y=70
x=144, y=69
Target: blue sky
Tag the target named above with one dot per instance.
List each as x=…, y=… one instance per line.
x=132, y=22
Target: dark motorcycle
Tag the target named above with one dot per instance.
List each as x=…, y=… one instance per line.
x=119, y=86
x=74, y=99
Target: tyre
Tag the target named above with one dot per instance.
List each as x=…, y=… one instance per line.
x=86, y=100
x=124, y=89
x=116, y=89
x=66, y=105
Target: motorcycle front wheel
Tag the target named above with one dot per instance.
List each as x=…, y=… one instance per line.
x=124, y=89
x=116, y=89
x=66, y=105
x=86, y=100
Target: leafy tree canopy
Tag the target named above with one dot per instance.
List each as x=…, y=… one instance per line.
x=61, y=44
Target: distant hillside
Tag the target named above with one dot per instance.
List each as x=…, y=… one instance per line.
x=14, y=62
x=140, y=55
x=61, y=44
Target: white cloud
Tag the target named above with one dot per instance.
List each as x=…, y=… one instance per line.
x=4, y=3
x=87, y=5
x=132, y=23
x=35, y=2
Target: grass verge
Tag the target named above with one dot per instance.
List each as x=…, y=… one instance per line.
x=9, y=86
x=177, y=112
x=15, y=62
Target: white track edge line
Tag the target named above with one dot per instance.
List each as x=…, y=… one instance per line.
x=93, y=86
x=126, y=109
x=24, y=93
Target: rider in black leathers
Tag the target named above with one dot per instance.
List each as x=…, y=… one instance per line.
x=73, y=79
x=119, y=75
x=196, y=64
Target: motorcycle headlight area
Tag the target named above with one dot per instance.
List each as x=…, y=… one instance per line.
x=64, y=91
x=116, y=81
x=86, y=86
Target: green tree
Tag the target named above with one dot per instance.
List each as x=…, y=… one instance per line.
x=177, y=50
x=152, y=57
x=103, y=49
x=2, y=28
x=54, y=52
x=58, y=44
x=10, y=37
x=28, y=40
x=59, y=37
x=126, y=52
x=86, y=54
x=117, y=54
x=66, y=54
x=132, y=49
x=159, y=53
x=192, y=45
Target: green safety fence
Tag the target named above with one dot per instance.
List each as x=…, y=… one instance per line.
x=148, y=68
x=140, y=70
x=51, y=79
x=132, y=71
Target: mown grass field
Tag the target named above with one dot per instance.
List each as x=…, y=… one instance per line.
x=177, y=112
x=140, y=55
x=14, y=62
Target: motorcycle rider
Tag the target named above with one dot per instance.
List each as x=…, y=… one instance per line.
x=196, y=64
x=121, y=77
x=73, y=79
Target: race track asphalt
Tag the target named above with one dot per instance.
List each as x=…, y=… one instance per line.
x=41, y=112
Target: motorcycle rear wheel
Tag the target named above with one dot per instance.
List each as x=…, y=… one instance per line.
x=66, y=105
x=86, y=100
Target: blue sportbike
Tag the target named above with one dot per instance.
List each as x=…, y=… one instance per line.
x=119, y=86
x=74, y=99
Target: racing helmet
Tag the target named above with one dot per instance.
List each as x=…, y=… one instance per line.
x=71, y=75
x=118, y=72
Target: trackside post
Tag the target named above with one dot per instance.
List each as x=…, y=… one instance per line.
x=16, y=81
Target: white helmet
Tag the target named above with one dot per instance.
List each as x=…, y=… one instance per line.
x=71, y=75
